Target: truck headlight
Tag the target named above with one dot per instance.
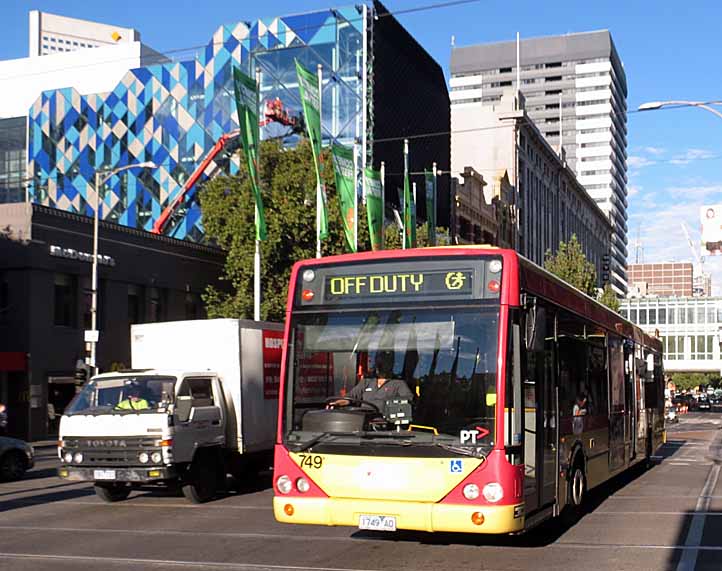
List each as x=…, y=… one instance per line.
x=156, y=457
x=68, y=457
x=143, y=457
x=78, y=457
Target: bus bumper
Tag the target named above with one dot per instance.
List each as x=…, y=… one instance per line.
x=409, y=515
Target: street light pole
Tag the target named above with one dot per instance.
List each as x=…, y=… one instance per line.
x=654, y=105
x=100, y=178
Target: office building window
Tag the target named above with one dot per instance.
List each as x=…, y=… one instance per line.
x=192, y=306
x=157, y=305
x=64, y=301
x=135, y=304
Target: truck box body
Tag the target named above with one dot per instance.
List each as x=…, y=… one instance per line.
x=245, y=355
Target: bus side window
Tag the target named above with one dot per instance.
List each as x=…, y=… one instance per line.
x=572, y=361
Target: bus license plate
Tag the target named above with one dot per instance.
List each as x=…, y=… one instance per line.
x=104, y=474
x=377, y=522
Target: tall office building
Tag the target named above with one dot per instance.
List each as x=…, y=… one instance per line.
x=51, y=34
x=575, y=89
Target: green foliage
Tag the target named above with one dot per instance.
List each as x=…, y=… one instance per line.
x=571, y=265
x=609, y=298
x=689, y=381
x=288, y=184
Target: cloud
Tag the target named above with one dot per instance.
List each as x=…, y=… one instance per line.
x=692, y=155
x=637, y=162
x=700, y=194
x=656, y=151
x=633, y=190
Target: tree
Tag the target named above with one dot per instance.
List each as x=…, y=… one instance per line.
x=609, y=298
x=288, y=184
x=571, y=265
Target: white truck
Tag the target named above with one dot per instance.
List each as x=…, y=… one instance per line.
x=199, y=403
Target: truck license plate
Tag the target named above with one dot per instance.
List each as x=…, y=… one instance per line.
x=104, y=474
x=377, y=522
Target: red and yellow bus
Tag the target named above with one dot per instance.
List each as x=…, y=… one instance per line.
x=523, y=393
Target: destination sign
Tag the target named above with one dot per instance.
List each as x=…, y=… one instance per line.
x=446, y=283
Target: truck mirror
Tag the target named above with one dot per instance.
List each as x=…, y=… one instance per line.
x=183, y=408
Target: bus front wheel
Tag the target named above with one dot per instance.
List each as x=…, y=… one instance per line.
x=577, y=492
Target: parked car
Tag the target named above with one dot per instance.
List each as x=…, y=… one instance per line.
x=703, y=404
x=16, y=457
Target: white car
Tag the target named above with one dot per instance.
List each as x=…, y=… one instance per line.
x=670, y=414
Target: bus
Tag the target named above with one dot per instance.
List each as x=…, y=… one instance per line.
x=512, y=393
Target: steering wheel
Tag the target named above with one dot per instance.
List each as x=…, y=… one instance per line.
x=358, y=402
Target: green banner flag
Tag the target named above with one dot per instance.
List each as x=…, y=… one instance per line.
x=375, y=208
x=345, y=185
x=430, y=182
x=247, y=106
x=311, y=102
x=409, y=214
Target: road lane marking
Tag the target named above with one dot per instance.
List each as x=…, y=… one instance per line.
x=135, y=504
x=688, y=561
x=161, y=532
x=170, y=562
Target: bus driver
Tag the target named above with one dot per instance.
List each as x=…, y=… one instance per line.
x=380, y=389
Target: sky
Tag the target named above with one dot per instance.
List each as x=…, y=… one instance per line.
x=670, y=51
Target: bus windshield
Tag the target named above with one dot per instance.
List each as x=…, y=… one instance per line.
x=424, y=379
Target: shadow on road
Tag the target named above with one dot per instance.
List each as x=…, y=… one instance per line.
x=51, y=497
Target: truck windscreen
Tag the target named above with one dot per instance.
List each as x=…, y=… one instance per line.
x=119, y=395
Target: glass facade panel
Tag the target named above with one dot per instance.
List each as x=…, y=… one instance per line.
x=652, y=316
x=662, y=315
x=172, y=114
x=12, y=160
x=642, y=316
x=700, y=314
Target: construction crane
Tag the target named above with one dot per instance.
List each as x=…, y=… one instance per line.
x=699, y=260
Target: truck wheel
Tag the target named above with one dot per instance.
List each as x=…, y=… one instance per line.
x=202, y=482
x=112, y=492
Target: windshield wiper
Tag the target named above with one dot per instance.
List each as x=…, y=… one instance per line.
x=316, y=439
x=473, y=452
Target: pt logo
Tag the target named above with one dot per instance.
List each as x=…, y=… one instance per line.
x=472, y=436
x=455, y=280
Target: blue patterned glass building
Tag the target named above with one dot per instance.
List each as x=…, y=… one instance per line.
x=172, y=114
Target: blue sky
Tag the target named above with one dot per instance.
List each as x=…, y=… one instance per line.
x=669, y=50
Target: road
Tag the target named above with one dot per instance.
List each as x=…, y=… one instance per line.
x=667, y=517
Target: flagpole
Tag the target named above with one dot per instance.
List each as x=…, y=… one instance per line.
x=403, y=201
x=383, y=202
x=433, y=205
x=319, y=71
x=355, y=197
x=257, y=252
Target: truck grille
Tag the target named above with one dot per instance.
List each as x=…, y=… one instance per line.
x=104, y=451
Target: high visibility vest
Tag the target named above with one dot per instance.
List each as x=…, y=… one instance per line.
x=127, y=404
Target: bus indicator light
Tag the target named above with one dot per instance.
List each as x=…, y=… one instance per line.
x=288, y=509
x=477, y=518
x=493, y=286
x=307, y=295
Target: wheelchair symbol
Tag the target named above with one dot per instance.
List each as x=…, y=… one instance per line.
x=456, y=466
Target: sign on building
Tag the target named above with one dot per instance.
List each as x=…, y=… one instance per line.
x=711, y=217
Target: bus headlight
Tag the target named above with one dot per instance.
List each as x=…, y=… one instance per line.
x=78, y=457
x=284, y=484
x=308, y=276
x=302, y=485
x=156, y=457
x=471, y=491
x=143, y=457
x=68, y=457
x=493, y=492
